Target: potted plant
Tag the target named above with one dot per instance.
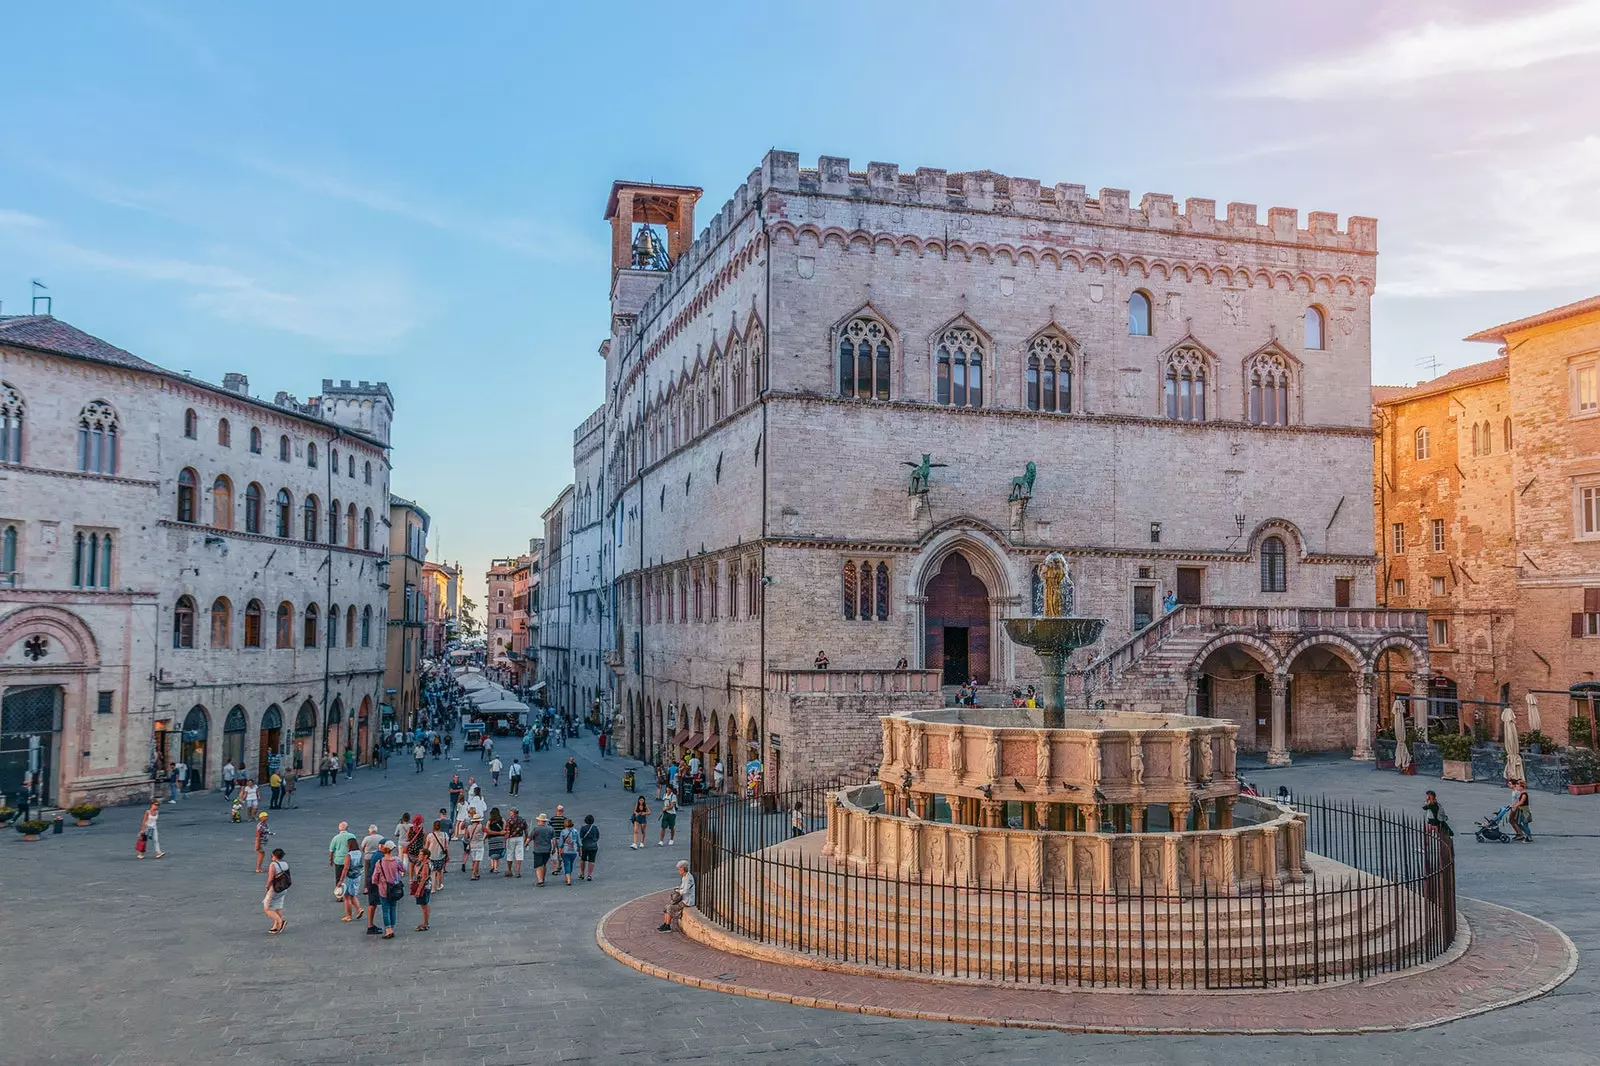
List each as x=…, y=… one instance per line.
x=1537, y=743
x=84, y=813
x=32, y=828
x=1583, y=770
x=1455, y=752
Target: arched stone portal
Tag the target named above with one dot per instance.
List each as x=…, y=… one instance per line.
x=955, y=633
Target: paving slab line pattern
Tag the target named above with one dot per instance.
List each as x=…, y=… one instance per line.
x=1511, y=957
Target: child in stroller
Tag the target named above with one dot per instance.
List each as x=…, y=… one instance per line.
x=1488, y=829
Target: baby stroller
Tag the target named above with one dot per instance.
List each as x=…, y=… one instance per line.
x=1488, y=829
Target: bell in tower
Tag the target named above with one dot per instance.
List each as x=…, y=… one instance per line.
x=649, y=250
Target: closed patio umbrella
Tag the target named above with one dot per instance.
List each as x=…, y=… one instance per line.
x=1402, y=753
x=1534, y=724
x=1508, y=721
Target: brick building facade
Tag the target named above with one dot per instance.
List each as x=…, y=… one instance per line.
x=1141, y=388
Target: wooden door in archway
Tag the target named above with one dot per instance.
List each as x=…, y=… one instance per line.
x=955, y=635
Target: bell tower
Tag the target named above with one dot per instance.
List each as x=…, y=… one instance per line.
x=651, y=225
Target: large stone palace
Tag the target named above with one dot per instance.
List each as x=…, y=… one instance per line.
x=187, y=572
x=852, y=417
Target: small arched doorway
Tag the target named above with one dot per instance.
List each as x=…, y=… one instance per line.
x=271, y=742
x=234, y=729
x=333, y=741
x=955, y=634
x=305, y=738
x=363, y=726
x=196, y=730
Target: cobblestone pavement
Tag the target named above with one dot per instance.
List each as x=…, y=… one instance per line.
x=113, y=961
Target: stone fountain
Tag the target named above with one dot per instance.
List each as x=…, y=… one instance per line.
x=1055, y=637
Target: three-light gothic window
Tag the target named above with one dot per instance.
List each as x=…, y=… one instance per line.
x=91, y=559
x=865, y=359
x=864, y=590
x=1184, y=385
x=11, y=410
x=958, y=368
x=1267, y=377
x=1049, y=374
x=97, y=439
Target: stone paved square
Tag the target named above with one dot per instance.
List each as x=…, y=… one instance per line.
x=114, y=961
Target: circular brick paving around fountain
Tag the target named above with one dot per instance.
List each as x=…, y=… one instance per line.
x=1507, y=957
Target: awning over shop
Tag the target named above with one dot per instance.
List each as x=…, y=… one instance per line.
x=695, y=742
x=681, y=736
x=537, y=687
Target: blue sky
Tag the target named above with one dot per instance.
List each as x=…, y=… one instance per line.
x=414, y=192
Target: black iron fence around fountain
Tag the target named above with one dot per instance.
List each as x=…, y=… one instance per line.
x=1389, y=906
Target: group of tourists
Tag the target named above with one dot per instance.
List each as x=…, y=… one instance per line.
x=556, y=844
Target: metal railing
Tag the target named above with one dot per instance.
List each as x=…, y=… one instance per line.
x=1391, y=908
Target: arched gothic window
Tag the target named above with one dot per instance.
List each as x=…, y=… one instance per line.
x=864, y=591
x=252, y=508
x=1267, y=377
x=191, y=424
x=1139, y=315
x=91, y=560
x=97, y=439
x=1184, y=385
x=958, y=368
x=285, y=509
x=366, y=627
x=350, y=626
x=366, y=530
x=285, y=625
x=1505, y=433
x=1315, y=328
x=755, y=346
x=221, y=623
x=183, y=623
x=309, y=511
x=1420, y=443
x=252, y=624
x=224, y=433
x=11, y=410
x=369, y=473
x=350, y=526
x=334, y=514
x=255, y=440
x=1274, y=565
x=312, y=618
x=311, y=454
x=188, y=486
x=8, y=556
x=333, y=460
x=222, y=503
x=864, y=360
x=285, y=451
x=333, y=626
x=1049, y=374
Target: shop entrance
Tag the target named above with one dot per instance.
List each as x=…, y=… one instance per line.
x=30, y=739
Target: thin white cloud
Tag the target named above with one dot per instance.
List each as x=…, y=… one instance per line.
x=514, y=234
x=349, y=309
x=1434, y=50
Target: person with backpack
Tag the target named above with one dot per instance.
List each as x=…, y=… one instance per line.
x=278, y=882
x=588, y=847
x=568, y=844
x=390, y=881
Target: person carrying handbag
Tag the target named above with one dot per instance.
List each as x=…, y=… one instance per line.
x=389, y=878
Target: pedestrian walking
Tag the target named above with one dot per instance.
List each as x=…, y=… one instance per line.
x=456, y=792
x=402, y=830
x=262, y=833
x=475, y=844
x=416, y=843
x=421, y=891
x=601, y=740
x=277, y=896
x=275, y=786
x=371, y=848
x=567, y=843
x=661, y=780
x=640, y=823
x=338, y=848
x=540, y=840
x=322, y=772
x=494, y=837
x=588, y=848
x=389, y=879
x=494, y=771
x=148, y=832
x=289, y=781
x=669, y=820
x=682, y=896
x=1521, y=812
x=516, y=841
x=571, y=769
x=229, y=772
x=419, y=755
x=333, y=768
x=516, y=776
x=349, y=762
x=172, y=785
x=797, y=821
x=438, y=848
x=351, y=873
x=252, y=799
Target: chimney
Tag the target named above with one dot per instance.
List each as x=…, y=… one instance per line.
x=236, y=383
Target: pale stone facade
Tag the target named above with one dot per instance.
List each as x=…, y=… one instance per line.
x=1172, y=377
x=590, y=682
x=555, y=611
x=441, y=584
x=205, y=588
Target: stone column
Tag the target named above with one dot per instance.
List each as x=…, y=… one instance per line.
x=1365, y=682
x=1419, y=707
x=1278, y=751
x=1178, y=816
x=991, y=813
x=1137, y=818
x=1191, y=696
x=1225, y=812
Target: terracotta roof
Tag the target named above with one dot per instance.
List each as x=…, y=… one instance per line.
x=43, y=333
x=1543, y=318
x=1475, y=374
